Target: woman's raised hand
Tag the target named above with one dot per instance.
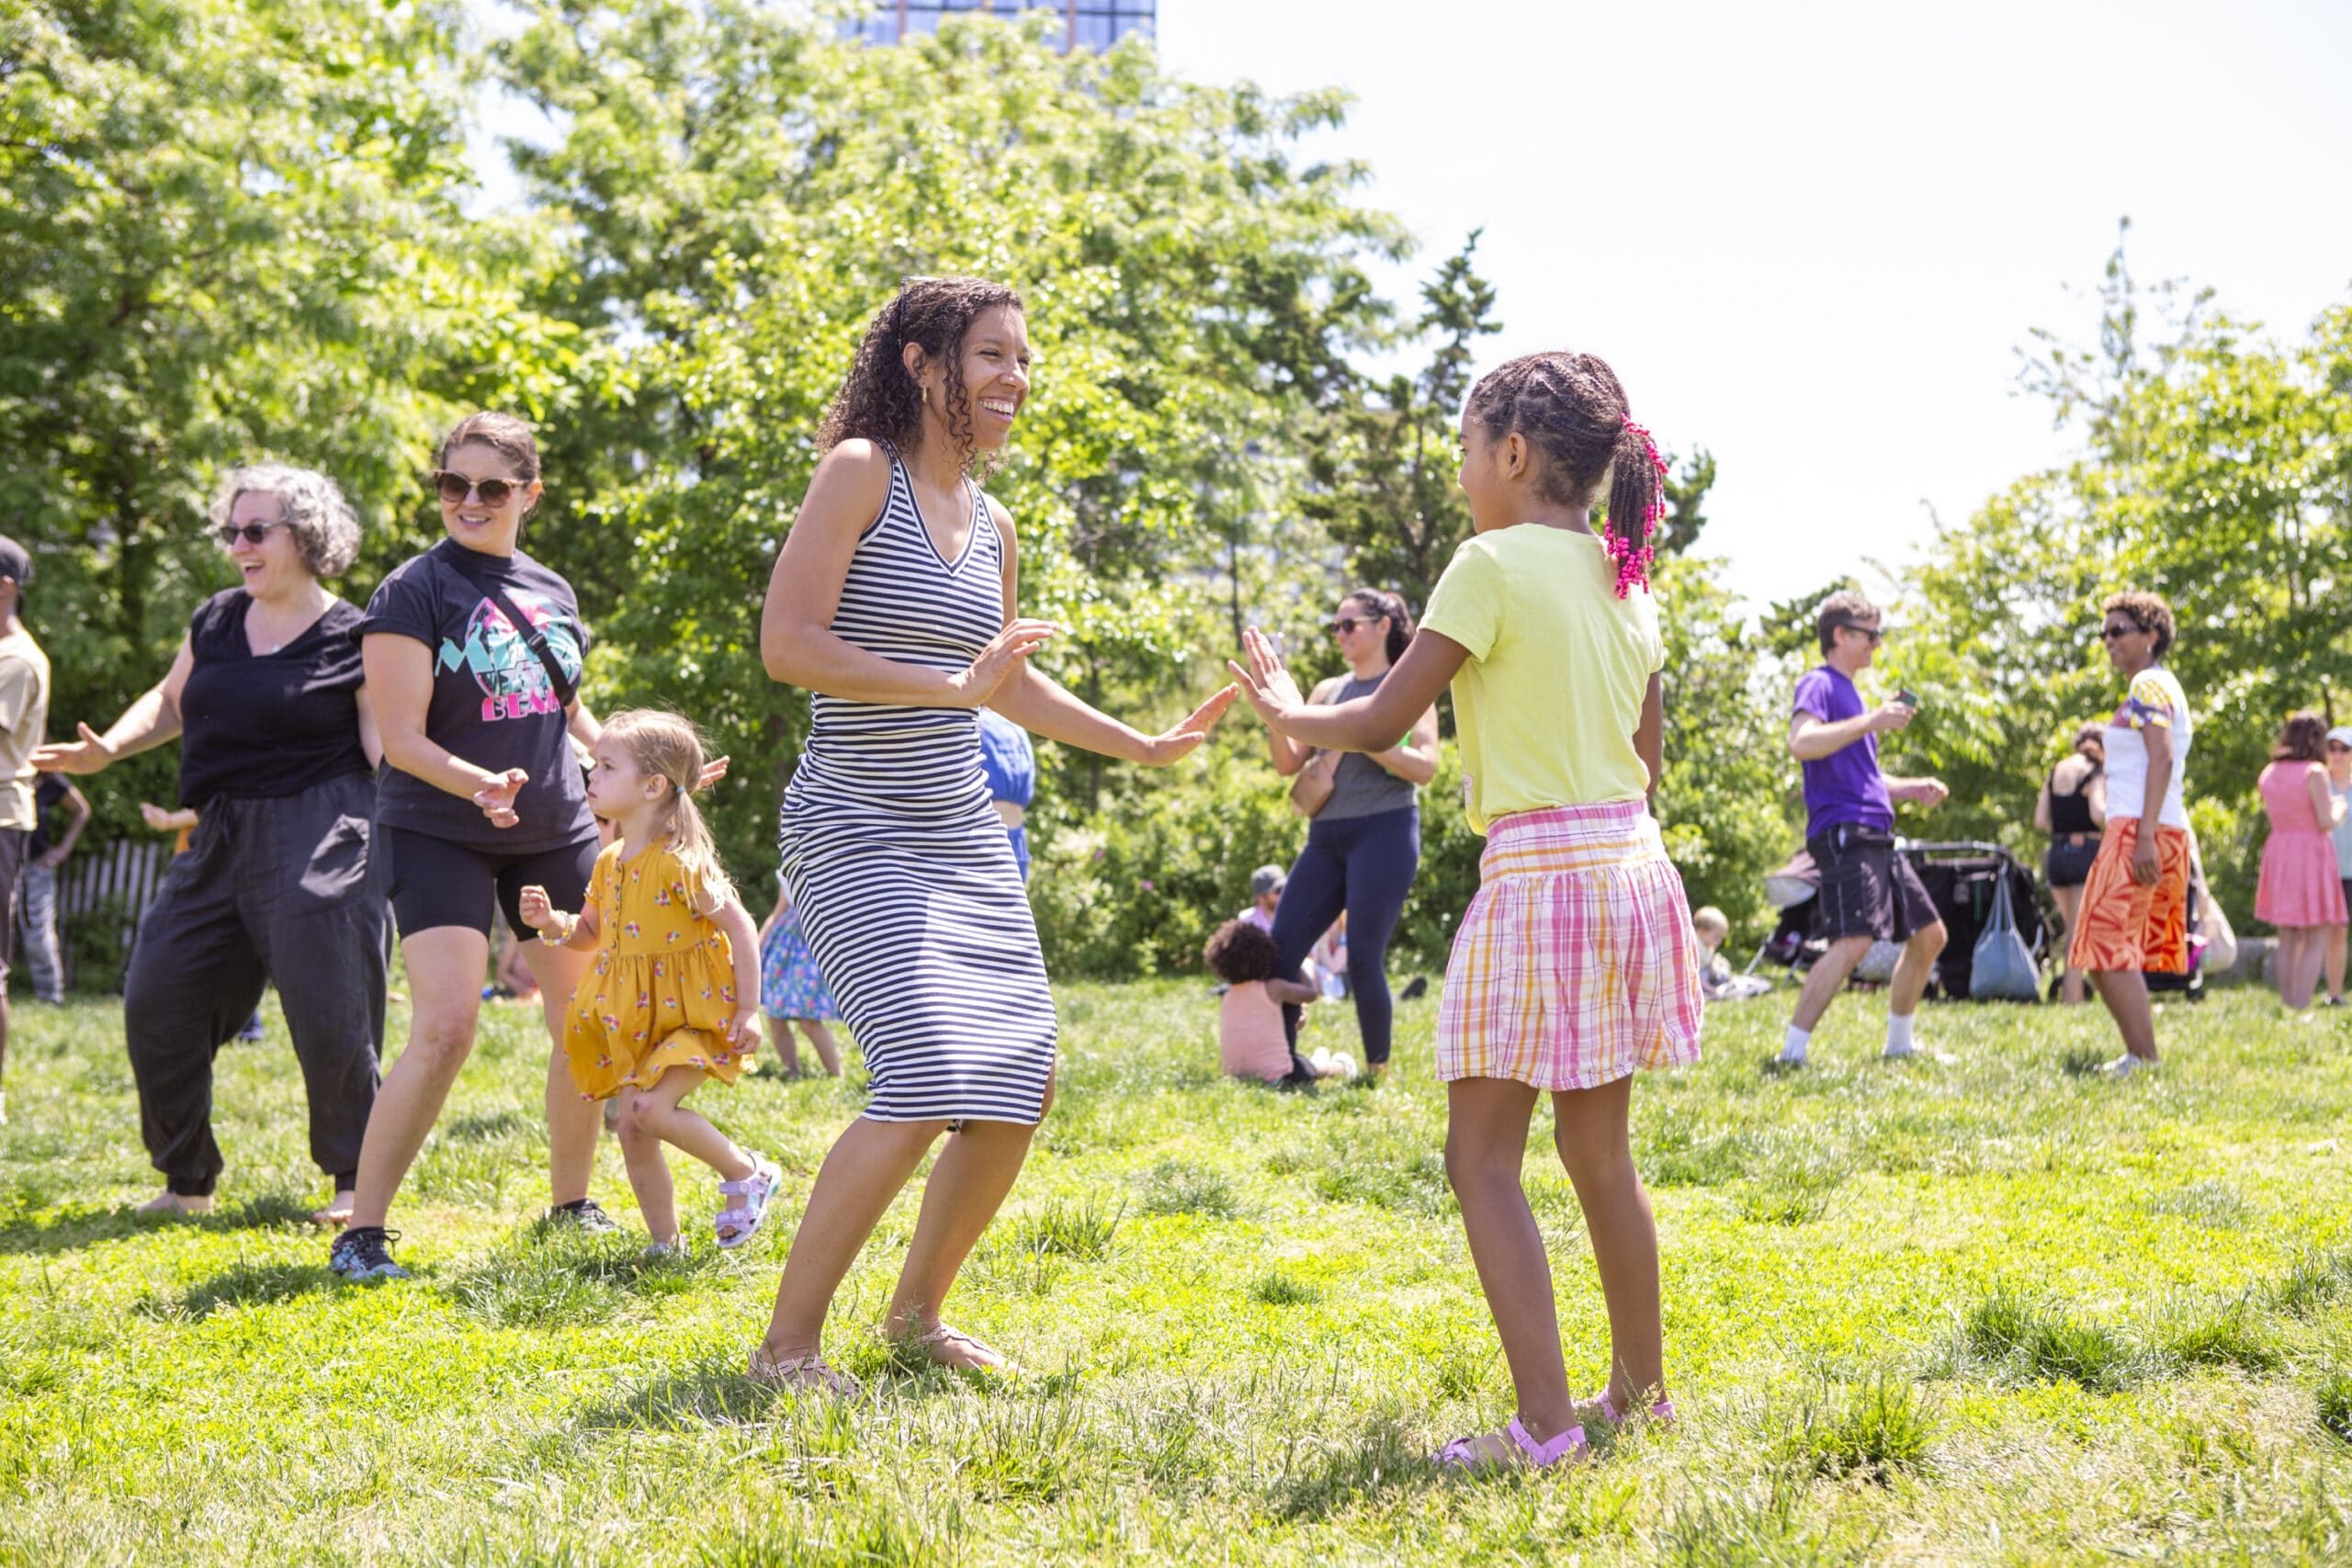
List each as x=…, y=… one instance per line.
x=1006, y=655
x=712, y=772
x=88, y=755
x=497, y=798
x=1162, y=750
x=1266, y=680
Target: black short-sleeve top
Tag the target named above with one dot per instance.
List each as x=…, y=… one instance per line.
x=493, y=703
x=259, y=726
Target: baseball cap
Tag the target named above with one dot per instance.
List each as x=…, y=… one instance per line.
x=1266, y=879
x=2342, y=734
x=15, y=564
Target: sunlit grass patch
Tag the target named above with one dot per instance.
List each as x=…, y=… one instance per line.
x=1871, y=1428
x=2038, y=1339
x=1173, y=1187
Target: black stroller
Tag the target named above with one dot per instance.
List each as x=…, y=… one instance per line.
x=1959, y=879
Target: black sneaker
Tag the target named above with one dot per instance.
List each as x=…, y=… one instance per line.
x=361, y=1255
x=584, y=1216
x=1415, y=989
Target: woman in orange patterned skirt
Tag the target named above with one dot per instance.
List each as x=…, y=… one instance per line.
x=2135, y=904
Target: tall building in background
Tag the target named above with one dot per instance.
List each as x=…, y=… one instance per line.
x=1086, y=24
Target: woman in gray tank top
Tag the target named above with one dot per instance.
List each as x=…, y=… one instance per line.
x=1365, y=843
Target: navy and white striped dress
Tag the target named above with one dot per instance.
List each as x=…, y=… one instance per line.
x=904, y=879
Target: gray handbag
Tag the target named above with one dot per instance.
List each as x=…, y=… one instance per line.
x=2002, y=969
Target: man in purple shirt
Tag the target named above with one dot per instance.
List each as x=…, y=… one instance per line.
x=1867, y=891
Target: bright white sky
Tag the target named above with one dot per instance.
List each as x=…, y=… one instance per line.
x=1810, y=236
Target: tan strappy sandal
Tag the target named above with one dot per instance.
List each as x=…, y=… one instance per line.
x=802, y=1374
x=945, y=1335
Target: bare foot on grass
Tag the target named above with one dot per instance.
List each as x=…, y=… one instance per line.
x=337, y=1213
x=170, y=1202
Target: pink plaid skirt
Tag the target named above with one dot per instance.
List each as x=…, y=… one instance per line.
x=1574, y=964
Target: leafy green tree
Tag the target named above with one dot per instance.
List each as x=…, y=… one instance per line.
x=231, y=230
x=745, y=191
x=2214, y=472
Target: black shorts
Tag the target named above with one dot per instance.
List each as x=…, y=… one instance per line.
x=1866, y=888
x=436, y=883
x=2069, y=865
x=14, y=842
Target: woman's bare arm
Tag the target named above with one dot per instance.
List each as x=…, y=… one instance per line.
x=153, y=718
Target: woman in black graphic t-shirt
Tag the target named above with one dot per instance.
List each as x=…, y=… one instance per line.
x=474, y=652
x=281, y=881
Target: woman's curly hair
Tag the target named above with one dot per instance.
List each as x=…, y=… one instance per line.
x=880, y=400
x=324, y=525
x=1239, y=952
x=2146, y=611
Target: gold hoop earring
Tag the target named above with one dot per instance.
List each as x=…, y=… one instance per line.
x=925, y=399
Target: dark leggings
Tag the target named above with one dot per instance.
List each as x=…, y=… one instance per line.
x=1363, y=866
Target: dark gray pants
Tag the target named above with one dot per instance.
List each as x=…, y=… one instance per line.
x=284, y=890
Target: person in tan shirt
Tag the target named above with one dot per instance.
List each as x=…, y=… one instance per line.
x=23, y=719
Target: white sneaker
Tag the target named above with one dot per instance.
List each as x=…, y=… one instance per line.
x=2124, y=1066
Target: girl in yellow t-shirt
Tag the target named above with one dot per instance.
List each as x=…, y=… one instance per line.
x=673, y=999
x=1574, y=964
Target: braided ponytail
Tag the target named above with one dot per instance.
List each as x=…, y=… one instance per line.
x=1570, y=408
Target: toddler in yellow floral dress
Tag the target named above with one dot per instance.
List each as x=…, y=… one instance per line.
x=674, y=996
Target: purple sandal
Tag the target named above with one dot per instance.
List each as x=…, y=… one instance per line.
x=1662, y=1413
x=1464, y=1452
x=746, y=1202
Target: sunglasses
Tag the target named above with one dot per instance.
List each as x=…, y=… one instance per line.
x=1872, y=633
x=2109, y=634
x=455, y=487
x=1349, y=623
x=251, y=533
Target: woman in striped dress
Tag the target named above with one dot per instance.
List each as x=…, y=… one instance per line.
x=894, y=602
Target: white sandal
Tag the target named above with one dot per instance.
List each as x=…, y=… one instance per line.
x=748, y=1200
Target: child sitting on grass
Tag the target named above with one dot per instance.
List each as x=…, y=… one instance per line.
x=673, y=997
x=1249, y=1039
x=1717, y=982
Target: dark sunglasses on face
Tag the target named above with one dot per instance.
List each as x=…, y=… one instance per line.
x=2109, y=634
x=1872, y=633
x=455, y=487
x=253, y=533
x=1348, y=622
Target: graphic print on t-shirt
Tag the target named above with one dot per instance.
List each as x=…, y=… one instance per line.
x=514, y=682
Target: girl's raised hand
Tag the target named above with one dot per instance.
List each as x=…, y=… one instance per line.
x=497, y=798
x=1266, y=681
x=1162, y=750
x=87, y=755
x=1004, y=658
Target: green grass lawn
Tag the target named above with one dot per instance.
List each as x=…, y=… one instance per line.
x=1992, y=1311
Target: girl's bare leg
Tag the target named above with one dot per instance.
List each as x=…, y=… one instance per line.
x=1486, y=1144
x=780, y=1040
x=573, y=1123
x=2335, y=963
x=820, y=1039
x=1589, y=1129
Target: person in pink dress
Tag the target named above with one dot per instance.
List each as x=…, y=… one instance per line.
x=2299, y=892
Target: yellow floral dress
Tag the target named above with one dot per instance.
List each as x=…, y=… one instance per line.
x=662, y=989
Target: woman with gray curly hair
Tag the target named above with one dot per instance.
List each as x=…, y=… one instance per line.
x=278, y=757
